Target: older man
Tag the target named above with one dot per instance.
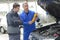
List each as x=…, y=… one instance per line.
x=26, y=17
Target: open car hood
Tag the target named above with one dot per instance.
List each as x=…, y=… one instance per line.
x=52, y=6
x=50, y=31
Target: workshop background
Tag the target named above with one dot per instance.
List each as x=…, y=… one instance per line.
x=6, y=6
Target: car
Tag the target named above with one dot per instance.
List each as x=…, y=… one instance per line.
x=52, y=30
x=49, y=31
x=3, y=24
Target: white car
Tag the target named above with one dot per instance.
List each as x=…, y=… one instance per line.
x=3, y=24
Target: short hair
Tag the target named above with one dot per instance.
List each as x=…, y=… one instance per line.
x=15, y=5
x=25, y=3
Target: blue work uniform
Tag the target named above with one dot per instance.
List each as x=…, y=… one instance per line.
x=27, y=27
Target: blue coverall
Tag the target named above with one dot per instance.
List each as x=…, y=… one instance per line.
x=27, y=27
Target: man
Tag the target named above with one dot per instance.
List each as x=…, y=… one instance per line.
x=26, y=17
x=13, y=22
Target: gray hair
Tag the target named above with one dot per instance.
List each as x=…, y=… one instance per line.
x=24, y=3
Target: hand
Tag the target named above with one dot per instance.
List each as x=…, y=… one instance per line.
x=18, y=20
x=30, y=22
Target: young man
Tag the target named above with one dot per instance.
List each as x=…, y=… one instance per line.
x=13, y=22
x=28, y=20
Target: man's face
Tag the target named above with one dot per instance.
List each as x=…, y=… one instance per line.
x=25, y=6
x=17, y=9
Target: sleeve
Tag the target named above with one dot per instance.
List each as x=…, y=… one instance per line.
x=9, y=19
x=22, y=19
x=18, y=21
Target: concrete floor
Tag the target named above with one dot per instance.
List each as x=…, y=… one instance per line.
x=6, y=37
